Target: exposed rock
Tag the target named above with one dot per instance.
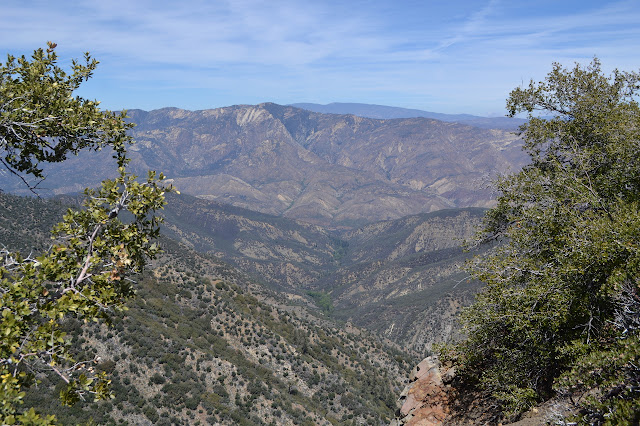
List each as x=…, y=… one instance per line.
x=424, y=402
x=427, y=401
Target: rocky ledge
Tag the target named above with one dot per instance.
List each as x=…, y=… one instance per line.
x=425, y=401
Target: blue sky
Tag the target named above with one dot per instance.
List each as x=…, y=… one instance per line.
x=454, y=56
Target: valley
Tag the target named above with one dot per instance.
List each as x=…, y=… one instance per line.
x=310, y=261
x=400, y=278
x=205, y=342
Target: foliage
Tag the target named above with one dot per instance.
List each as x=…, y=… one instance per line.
x=561, y=301
x=85, y=272
x=41, y=120
x=323, y=300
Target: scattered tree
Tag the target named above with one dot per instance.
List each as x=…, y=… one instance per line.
x=561, y=309
x=86, y=272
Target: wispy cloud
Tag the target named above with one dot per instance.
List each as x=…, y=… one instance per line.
x=471, y=27
x=458, y=56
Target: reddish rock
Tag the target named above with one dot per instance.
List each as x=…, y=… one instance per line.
x=424, y=401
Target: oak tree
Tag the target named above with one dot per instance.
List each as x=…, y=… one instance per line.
x=560, y=313
x=86, y=273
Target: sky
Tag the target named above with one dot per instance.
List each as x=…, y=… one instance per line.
x=453, y=56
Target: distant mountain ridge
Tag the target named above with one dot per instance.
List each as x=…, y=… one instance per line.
x=333, y=170
x=390, y=112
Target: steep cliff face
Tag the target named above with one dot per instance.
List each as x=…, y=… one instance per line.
x=334, y=170
x=425, y=400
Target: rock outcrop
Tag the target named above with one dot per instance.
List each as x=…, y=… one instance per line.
x=424, y=402
x=427, y=401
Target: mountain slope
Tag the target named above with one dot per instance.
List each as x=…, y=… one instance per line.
x=202, y=343
x=279, y=252
x=405, y=279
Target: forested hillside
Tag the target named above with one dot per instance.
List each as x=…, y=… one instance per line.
x=203, y=343
x=403, y=278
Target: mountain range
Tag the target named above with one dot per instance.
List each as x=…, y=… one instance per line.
x=340, y=171
x=389, y=112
